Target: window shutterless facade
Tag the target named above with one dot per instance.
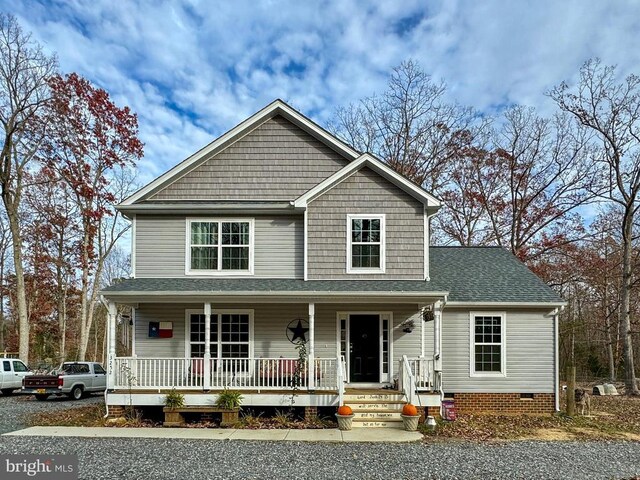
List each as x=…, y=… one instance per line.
x=219, y=247
x=365, y=243
x=488, y=346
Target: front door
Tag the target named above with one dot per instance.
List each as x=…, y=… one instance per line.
x=364, y=351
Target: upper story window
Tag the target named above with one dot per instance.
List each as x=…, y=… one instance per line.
x=222, y=247
x=488, y=356
x=365, y=243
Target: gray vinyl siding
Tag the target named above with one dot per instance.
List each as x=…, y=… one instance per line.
x=365, y=192
x=276, y=161
x=160, y=347
x=278, y=246
x=529, y=347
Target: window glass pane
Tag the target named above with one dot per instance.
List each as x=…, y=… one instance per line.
x=204, y=233
x=197, y=349
x=204, y=258
x=365, y=238
x=235, y=258
x=235, y=233
x=214, y=329
x=6, y=365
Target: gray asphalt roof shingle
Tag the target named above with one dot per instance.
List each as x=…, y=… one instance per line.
x=469, y=274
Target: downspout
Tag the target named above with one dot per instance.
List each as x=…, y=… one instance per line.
x=556, y=348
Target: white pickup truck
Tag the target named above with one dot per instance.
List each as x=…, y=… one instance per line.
x=74, y=379
x=12, y=371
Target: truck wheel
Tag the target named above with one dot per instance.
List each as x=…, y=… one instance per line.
x=76, y=393
x=41, y=396
x=7, y=391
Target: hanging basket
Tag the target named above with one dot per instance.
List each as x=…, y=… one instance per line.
x=344, y=421
x=410, y=422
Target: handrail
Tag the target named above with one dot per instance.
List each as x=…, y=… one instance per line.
x=408, y=380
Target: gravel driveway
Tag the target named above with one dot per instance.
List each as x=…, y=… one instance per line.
x=136, y=458
x=15, y=409
x=114, y=458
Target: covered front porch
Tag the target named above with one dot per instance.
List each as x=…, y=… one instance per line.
x=357, y=341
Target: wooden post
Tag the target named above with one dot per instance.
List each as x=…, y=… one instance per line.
x=571, y=388
x=312, y=350
x=437, y=336
x=112, y=312
x=206, y=371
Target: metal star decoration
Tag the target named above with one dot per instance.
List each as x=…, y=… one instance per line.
x=299, y=332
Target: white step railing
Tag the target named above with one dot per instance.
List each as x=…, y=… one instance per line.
x=341, y=373
x=138, y=373
x=426, y=378
x=407, y=380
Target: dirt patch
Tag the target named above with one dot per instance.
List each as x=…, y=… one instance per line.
x=551, y=434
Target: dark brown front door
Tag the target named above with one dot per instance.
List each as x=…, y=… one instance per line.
x=364, y=356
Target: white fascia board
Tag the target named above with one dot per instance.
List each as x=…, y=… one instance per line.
x=274, y=108
x=366, y=160
x=505, y=304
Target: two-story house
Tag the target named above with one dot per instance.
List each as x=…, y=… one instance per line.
x=278, y=232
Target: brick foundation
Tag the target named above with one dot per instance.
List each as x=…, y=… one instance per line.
x=116, y=411
x=504, y=403
x=310, y=412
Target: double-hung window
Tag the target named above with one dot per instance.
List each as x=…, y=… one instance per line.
x=365, y=243
x=220, y=246
x=488, y=355
x=230, y=335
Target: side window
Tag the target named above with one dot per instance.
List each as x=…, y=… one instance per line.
x=98, y=369
x=488, y=344
x=6, y=365
x=83, y=368
x=19, y=366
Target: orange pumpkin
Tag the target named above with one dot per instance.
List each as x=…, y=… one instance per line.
x=345, y=410
x=409, y=410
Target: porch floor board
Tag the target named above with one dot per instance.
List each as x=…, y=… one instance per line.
x=217, y=391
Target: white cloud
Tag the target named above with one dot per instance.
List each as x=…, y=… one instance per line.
x=194, y=69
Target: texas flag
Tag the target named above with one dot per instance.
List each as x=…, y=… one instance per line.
x=161, y=329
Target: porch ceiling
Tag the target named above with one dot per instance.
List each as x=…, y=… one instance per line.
x=271, y=290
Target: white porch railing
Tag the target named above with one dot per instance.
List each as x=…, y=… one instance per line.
x=138, y=373
x=418, y=375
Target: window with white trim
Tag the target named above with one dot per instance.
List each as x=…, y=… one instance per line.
x=220, y=246
x=229, y=338
x=365, y=244
x=488, y=344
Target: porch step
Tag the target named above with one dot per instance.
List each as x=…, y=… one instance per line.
x=376, y=409
x=372, y=405
x=366, y=423
x=373, y=397
x=377, y=415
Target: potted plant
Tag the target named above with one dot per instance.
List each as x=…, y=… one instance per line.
x=410, y=417
x=229, y=403
x=172, y=401
x=345, y=417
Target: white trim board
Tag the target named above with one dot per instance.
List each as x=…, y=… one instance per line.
x=277, y=107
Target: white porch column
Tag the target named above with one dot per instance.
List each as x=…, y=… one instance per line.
x=207, y=347
x=437, y=336
x=312, y=347
x=112, y=313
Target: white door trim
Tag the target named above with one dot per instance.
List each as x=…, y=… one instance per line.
x=384, y=377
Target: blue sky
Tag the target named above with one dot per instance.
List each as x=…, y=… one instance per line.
x=193, y=69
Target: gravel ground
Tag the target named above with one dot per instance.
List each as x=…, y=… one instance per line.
x=113, y=458
x=198, y=459
x=15, y=409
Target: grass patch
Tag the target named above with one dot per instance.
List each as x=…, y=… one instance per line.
x=611, y=418
x=86, y=416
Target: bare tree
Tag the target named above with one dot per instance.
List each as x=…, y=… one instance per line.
x=24, y=70
x=611, y=108
x=408, y=126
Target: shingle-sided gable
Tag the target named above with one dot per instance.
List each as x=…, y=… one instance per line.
x=276, y=161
